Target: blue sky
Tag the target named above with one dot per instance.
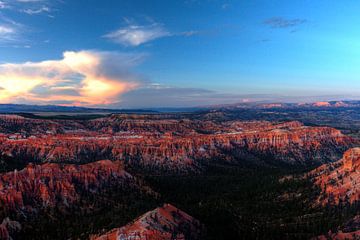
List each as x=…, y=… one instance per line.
x=177, y=53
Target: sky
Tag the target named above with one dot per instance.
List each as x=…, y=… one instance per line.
x=179, y=53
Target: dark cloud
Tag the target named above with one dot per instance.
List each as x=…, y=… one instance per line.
x=279, y=22
x=160, y=96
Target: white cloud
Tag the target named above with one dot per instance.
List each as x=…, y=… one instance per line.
x=31, y=7
x=280, y=22
x=225, y=6
x=6, y=30
x=42, y=9
x=30, y=1
x=3, y=5
x=79, y=78
x=135, y=35
x=11, y=31
x=189, y=33
x=7, y=33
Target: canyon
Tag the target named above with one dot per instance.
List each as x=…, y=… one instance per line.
x=112, y=169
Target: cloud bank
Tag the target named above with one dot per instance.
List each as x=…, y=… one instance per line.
x=83, y=78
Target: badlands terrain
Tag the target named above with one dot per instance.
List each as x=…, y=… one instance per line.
x=229, y=172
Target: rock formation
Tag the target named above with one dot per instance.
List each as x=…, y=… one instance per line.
x=51, y=184
x=339, y=181
x=163, y=223
x=349, y=231
x=172, y=144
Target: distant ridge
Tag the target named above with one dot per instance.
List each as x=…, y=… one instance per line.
x=24, y=108
x=269, y=105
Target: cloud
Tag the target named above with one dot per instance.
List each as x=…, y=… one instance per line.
x=225, y=6
x=7, y=33
x=30, y=1
x=42, y=9
x=135, y=35
x=30, y=7
x=279, y=22
x=3, y=5
x=79, y=78
x=11, y=32
x=158, y=96
x=189, y=33
x=6, y=30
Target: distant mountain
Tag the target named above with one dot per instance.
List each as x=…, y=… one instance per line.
x=268, y=105
x=24, y=108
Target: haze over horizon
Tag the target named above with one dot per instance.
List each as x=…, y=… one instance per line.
x=137, y=54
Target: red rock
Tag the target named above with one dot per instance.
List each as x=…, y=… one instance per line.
x=321, y=104
x=339, y=181
x=351, y=159
x=289, y=142
x=166, y=142
x=350, y=231
x=51, y=184
x=163, y=223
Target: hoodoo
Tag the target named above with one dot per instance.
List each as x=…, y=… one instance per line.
x=339, y=181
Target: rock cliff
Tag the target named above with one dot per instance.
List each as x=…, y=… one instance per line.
x=169, y=145
x=163, y=223
x=339, y=181
x=50, y=184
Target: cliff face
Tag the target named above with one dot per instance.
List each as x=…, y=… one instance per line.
x=350, y=231
x=177, y=145
x=163, y=223
x=51, y=184
x=339, y=181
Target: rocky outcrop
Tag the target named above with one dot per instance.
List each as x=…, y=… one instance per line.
x=321, y=104
x=339, y=181
x=24, y=126
x=51, y=184
x=163, y=223
x=350, y=231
